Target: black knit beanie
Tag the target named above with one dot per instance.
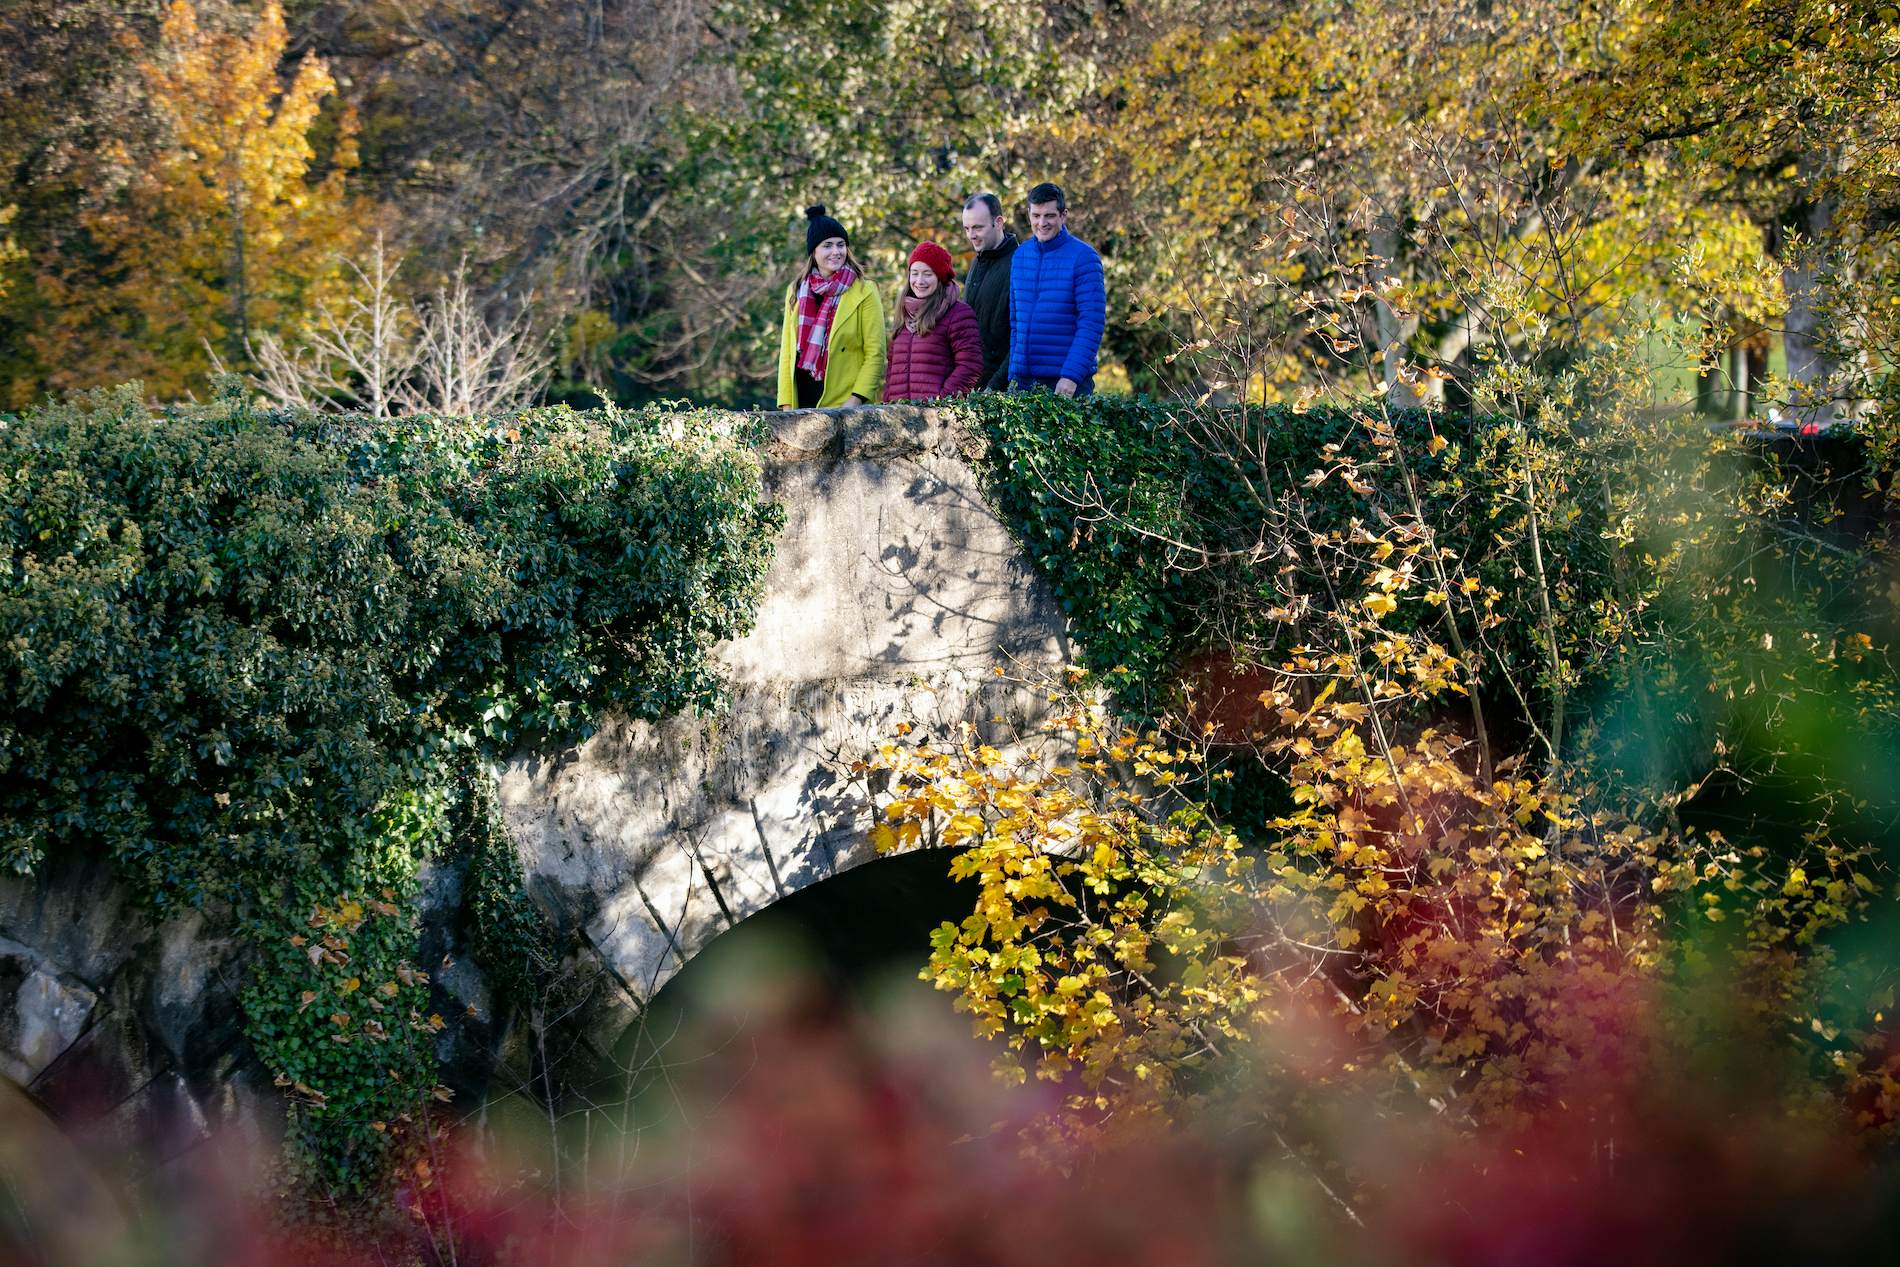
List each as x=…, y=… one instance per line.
x=820, y=226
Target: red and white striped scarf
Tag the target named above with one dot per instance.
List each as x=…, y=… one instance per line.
x=817, y=305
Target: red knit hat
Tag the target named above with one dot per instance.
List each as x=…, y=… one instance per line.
x=937, y=258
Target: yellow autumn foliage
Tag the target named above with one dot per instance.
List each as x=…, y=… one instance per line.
x=226, y=229
x=1485, y=946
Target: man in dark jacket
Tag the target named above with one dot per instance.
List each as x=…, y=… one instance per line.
x=986, y=289
x=1058, y=302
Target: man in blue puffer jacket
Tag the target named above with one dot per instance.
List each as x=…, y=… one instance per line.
x=1058, y=303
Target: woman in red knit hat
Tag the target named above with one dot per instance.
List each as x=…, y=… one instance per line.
x=936, y=349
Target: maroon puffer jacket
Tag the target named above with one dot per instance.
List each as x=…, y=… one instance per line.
x=945, y=362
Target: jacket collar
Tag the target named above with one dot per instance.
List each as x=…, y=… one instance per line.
x=1053, y=244
x=1006, y=247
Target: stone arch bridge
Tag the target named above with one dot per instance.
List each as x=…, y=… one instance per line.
x=893, y=596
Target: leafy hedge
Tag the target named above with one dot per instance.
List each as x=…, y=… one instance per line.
x=254, y=655
x=1140, y=603
x=231, y=635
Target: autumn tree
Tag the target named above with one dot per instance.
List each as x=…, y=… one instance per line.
x=226, y=224
x=1788, y=111
x=559, y=150
x=66, y=85
x=1407, y=132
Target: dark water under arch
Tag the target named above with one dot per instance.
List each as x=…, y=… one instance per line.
x=837, y=962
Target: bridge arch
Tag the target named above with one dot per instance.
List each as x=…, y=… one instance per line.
x=894, y=596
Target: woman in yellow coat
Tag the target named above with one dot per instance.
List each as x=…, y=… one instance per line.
x=831, y=350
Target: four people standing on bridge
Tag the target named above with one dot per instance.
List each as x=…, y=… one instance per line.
x=1034, y=316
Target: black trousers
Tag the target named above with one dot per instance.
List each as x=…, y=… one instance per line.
x=809, y=389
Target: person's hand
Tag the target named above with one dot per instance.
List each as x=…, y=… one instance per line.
x=1065, y=387
x=855, y=399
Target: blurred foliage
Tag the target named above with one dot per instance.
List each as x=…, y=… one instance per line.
x=1494, y=960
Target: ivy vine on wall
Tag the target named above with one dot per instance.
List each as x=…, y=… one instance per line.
x=251, y=656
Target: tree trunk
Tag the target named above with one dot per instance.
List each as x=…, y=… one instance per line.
x=1395, y=331
x=1812, y=369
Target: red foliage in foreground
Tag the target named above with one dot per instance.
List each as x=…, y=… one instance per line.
x=809, y=1137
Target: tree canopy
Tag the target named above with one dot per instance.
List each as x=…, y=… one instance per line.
x=633, y=175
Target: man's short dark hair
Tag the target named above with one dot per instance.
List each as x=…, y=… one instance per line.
x=1047, y=193
x=989, y=200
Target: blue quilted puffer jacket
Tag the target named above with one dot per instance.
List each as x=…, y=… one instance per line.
x=1058, y=305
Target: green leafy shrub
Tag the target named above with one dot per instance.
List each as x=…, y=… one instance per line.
x=339, y=1012
x=1155, y=523
x=233, y=635
x=252, y=655
x=507, y=934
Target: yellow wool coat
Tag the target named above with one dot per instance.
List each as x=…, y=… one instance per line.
x=855, y=364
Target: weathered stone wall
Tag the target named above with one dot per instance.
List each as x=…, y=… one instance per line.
x=893, y=596
x=124, y=1028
